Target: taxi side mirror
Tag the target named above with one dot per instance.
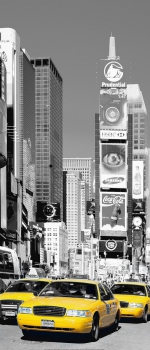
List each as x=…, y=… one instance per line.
x=105, y=297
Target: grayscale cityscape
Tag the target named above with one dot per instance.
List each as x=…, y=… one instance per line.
x=74, y=218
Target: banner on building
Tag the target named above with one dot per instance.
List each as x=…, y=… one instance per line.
x=137, y=179
x=113, y=165
x=137, y=239
x=47, y=212
x=12, y=214
x=113, y=211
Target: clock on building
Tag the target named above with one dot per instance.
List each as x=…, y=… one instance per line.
x=137, y=221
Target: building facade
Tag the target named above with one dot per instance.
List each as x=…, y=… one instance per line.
x=55, y=242
x=48, y=132
x=86, y=166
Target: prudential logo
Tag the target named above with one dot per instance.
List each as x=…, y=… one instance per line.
x=113, y=71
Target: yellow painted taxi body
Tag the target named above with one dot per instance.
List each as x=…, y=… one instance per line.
x=42, y=317
x=134, y=299
x=10, y=300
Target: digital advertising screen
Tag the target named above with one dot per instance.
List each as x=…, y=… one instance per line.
x=113, y=211
x=113, y=165
x=47, y=212
x=113, y=112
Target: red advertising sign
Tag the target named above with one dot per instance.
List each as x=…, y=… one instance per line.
x=113, y=215
x=113, y=165
x=113, y=112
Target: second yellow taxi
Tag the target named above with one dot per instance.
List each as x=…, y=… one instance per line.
x=134, y=299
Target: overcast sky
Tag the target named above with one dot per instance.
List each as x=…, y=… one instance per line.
x=75, y=34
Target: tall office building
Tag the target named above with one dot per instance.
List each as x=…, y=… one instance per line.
x=73, y=207
x=48, y=132
x=86, y=166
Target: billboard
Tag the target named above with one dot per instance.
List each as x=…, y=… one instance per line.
x=113, y=211
x=138, y=206
x=47, y=212
x=113, y=165
x=111, y=245
x=113, y=112
x=7, y=56
x=137, y=179
x=113, y=74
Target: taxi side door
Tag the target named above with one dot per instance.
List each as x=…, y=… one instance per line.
x=105, y=313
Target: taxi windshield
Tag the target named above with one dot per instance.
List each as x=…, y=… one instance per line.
x=70, y=289
x=128, y=289
x=26, y=286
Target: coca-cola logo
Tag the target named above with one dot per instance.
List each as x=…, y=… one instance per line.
x=111, y=244
x=112, y=200
x=113, y=180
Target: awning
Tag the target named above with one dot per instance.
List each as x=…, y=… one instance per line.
x=9, y=235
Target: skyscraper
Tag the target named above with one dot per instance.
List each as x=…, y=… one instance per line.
x=86, y=166
x=48, y=131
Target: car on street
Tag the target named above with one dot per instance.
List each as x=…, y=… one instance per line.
x=70, y=306
x=134, y=299
x=17, y=292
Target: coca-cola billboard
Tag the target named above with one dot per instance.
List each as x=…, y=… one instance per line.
x=113, y=165
x=113, y=211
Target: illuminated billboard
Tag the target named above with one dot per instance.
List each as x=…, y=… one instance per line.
x=137, y=179
x=113, y=112
x=113, y=211
x=113, y=165
x=137, y=239
x=47, y=212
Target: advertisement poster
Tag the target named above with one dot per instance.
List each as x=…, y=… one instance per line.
x=7, y=56
x=113, y=165
x=137, y=238
x=137, y=179
x=47, y=212
x=113, y=213
x=113, y=112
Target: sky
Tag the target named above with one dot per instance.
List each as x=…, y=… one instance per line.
x=75, y=35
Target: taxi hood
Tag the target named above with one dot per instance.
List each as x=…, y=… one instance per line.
x=66, y=302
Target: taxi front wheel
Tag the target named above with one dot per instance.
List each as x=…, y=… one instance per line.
x=145, y=316
x=94, y=335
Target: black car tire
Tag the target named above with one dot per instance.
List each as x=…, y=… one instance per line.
x=94, y=335
x=116, y=323
x=145, y=316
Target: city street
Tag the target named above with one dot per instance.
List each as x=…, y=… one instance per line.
x=131, y=333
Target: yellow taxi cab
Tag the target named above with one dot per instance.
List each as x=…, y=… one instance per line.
x=134, y=299
x=70, y=306
x=19, y=291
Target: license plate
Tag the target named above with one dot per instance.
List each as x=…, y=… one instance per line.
x=48, y=323
x=10, y=313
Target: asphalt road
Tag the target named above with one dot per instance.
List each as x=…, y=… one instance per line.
x=131, y=335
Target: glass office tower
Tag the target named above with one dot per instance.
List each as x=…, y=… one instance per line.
x=48, y=131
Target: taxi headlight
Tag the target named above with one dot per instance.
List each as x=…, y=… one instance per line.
x=79, y=313
x=136, y=305
x=24, y=310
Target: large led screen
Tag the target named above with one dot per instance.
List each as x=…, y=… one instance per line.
x=113, y=165
x=137, y=179
x=113, y=112
x=113, y=211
